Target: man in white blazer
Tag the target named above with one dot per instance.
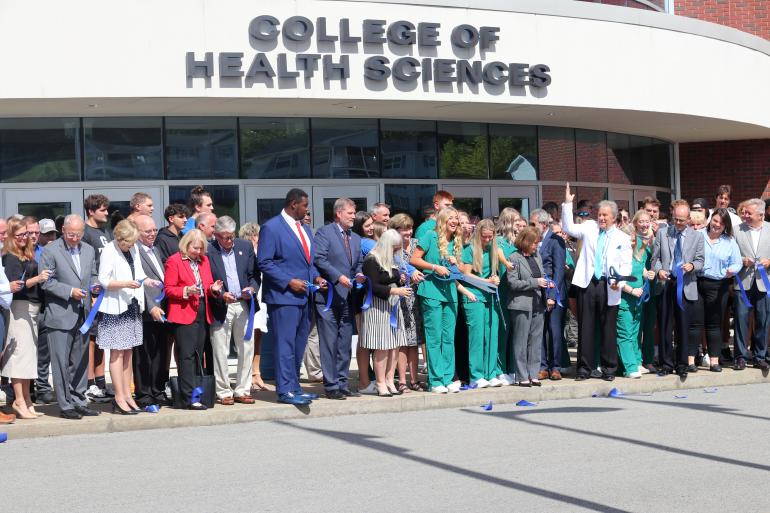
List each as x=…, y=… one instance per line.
x=753, y=238
x=605, y=247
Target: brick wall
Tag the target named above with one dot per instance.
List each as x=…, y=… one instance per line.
x=745, y=165
x=751, y=16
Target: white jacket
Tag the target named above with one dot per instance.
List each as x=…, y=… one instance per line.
x=618, y=252
x=113, y=266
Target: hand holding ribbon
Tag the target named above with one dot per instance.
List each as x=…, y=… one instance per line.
x=552, y=285
x=763, y=275
x=94, y=309
x=645, y=293
x=252, y=312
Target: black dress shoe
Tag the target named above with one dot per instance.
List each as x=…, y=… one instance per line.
x=681, y=371
x=163, y=401
x=608, y=377
x=596, y=374
x=197, y=407
x=762, y=364
x=740, y=364
x=349, y=393
x=692, y=368
x=46, y=397
x=581, y=377
x=70, y=414
x=336, y=394
x=716, y=368
x=664, y=371
x=87, y=412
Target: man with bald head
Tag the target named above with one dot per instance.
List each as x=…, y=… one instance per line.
x=150, y=371
x=67, y=303
x=205, y=223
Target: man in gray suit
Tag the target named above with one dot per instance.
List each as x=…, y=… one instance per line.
x=677, y=245
x=67, y=304
x=753, y=238
x=338, y=259
x=150, y=371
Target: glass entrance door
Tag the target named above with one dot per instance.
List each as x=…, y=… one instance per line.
x=523, y=199
x=120, y=198
x=489, y=201
x=264, y=202
x=42, y=203
x=365, y=196
x=624, y=198
x=471, y=199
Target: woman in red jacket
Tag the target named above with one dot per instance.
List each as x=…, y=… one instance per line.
x=189, y=286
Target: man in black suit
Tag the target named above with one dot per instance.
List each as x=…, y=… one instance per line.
x=233, y=261
x=150, y=371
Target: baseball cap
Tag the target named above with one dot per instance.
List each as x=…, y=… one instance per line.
x=47, y=225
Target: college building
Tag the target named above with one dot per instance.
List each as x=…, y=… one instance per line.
x=498, y=101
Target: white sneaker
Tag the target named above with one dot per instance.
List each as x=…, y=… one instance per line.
x=481, y=383
x=371, y=389
x=494, y=382
x=634, y=375
x=441, y=389
x=454, y=387
x=643, y=370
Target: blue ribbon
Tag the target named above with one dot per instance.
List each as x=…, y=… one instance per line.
x=329, y=297
x=556, y=289
x=152, y=408
x=162, y=295
x=92, y=314
x=311, y=288
x=645, y=293
x=680, y=285
x=744, y=297
x=368, y=300
x=394, y=315
x=763, y=276
x=250, y=323
x=195, y=397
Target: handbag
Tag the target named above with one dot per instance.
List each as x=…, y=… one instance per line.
x=205, y=383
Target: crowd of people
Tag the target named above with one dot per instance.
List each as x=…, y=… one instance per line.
x=487, y=302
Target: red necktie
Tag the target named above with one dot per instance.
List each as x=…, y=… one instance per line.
x=304, y=242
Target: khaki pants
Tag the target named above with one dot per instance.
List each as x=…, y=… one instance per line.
x=234, y=326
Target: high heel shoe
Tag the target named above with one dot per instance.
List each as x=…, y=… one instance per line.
x=20, y=414
x=117, y=409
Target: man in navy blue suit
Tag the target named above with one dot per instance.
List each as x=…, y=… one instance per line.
x=553, y=251
x=338, y=260
x=232, y=261
x=285, y=259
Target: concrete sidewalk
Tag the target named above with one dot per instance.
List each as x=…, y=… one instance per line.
x=267, y=409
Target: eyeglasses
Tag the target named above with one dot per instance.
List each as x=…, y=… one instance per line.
x=150, y=232
x=21, y=235
x=226, y=238
x=680, y=220
x=584, y=214
x=33, y=233
x=73, y=235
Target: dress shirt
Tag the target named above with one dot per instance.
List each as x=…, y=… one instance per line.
x=154, y=259
x=5, y=290
x=75, y=254
x=720, y=257
x=231, y=273
x=755, y=232
x=293, y=226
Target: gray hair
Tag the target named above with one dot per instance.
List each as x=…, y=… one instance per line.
x=248, y=230
x=224, y=224
x=72, y=219
x=378, y=206
x=541, y=216
x=758, y=203
x=343, y=203
x=609, y=204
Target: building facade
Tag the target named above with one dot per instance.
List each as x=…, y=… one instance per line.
x=498, y=102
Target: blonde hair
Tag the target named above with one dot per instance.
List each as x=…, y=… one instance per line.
x=9, y=246
x=506, y=223
x=190, y=237
x=378, y=228
x=126, y=231
x=648, y=239
x=697, y=217
x=249, y=230
x=401, y=222
x=383, y=250
x=486, y=225
x=443, y=244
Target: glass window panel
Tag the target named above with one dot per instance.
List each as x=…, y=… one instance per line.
x=556, y=154
x=118, y=210
x=408, y=148
x=462, y=150
x=661, y=163
x=123, y=148
x=520, y=204
x=592, y=194
x=410, y=199
x=474, y=207
x=224, y=197
x=268, y=207
x=513, y=152
x=591, y=155
x=40, y=150
x=345, y=148
x=201, y=147
x=275, y=148
x=45, y=210
x=361, y=204
x=619, y=159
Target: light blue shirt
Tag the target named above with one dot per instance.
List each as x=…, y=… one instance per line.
x=231, y=273
x=720, y=257
x=5, y=292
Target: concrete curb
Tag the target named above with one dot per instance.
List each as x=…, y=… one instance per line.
x=266, y=408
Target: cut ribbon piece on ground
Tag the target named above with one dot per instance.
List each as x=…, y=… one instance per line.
x=488, y=406
x=524, y=402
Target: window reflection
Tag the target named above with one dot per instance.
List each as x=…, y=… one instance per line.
x=122, y=148
x=408, y=148
x=345, y=148
x=410, y=199
x=275, y=148
x=513, y=152
x=224, y=197
x=40, y=150
x=201, y=147
x=463, y=150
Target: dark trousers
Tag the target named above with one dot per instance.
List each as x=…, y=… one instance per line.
x=670, y=316
x=43, y=362
x=335, y=335
x=150, y=372
x=190, y=339
x=709, y=311
x=290, y=326
x=592, y=307
x=553, y=334
x=761, y=303
x=462, y=362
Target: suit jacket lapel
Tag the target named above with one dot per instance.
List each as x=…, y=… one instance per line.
x=293, y=236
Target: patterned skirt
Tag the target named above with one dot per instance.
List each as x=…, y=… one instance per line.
x=122, y=331
x=376, y=332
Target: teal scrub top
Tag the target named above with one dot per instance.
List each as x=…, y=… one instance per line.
x=433, y=287
x=486, y=272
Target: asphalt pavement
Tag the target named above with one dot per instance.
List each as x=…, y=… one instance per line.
x=682, y=450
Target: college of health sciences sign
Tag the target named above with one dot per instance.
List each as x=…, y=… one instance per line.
x=265, y=31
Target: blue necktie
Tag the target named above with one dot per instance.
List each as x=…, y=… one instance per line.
x=678, y=250
x=598, y=267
